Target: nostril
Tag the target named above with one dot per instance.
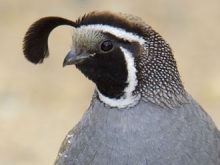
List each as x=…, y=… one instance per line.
x=79, y=51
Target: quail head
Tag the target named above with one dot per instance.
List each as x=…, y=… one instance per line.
x=140, y=113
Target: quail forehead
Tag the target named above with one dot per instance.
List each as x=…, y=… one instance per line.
x=88, y=38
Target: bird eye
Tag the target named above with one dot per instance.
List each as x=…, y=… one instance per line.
x=106, y=46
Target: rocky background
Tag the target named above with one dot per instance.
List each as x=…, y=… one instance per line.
x=39, y=104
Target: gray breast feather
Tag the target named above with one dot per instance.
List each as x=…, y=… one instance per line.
x=144, y=135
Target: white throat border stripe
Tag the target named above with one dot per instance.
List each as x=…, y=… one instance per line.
x=128, y=99
x=120, y=33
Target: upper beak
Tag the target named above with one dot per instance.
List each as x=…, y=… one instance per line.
x=75, y=57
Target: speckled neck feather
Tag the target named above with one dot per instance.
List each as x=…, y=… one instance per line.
x=159, y=79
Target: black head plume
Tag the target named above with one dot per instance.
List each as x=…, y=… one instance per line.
x=35, y=43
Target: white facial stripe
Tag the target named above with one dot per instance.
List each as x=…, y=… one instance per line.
x=118, y=32
x=132, y=78
x=127, y=100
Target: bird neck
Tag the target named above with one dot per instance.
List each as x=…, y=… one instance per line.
x=158, y=77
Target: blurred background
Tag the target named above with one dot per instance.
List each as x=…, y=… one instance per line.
x=39, y=104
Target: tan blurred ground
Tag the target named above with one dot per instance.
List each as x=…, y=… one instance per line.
x=39, y=104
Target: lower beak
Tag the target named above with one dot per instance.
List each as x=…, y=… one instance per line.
x=74, y=57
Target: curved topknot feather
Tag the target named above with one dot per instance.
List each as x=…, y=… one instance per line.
x=35, y=43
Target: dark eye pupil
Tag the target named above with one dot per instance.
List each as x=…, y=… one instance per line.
x=106, y=46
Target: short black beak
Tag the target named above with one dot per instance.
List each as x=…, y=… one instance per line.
x=75, y=57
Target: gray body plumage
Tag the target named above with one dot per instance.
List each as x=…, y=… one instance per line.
x=143, y=135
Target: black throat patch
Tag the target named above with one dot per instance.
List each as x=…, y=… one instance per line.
x=108, y=72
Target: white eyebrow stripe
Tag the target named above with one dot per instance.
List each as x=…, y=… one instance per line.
x=118, y=32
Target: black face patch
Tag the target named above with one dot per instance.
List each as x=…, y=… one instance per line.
x=108, y=71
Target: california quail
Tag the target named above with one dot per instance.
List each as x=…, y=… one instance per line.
x=140, y=113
